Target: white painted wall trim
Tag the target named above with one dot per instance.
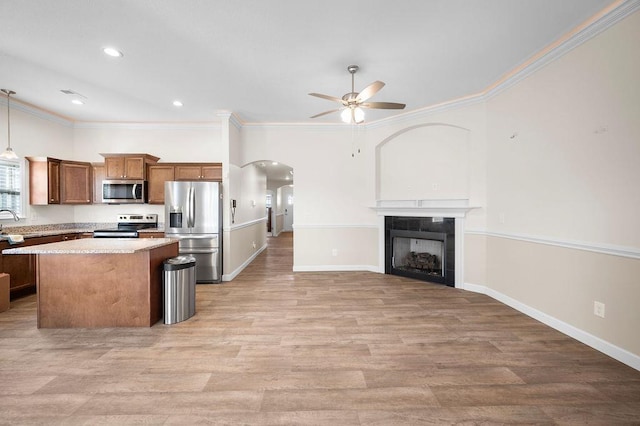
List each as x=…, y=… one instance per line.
x=232, y=275
x=36, y=112
x=247, y=224
x=588, y=339
x=610, y=249
x=335, y=268
x=609, y=17
x=148, y=126
x=333, y=225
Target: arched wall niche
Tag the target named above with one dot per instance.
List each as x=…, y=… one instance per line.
x=422, y=162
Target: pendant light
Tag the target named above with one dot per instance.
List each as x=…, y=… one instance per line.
x=8, y=153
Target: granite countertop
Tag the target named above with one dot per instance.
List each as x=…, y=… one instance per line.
x=94, y=246
x=34, y=231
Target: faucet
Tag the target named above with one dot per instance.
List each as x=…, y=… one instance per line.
x=15, y=216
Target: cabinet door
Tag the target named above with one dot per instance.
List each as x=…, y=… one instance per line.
x=134, y=168
x=22, y=267
x=53, y=187
x=21, y=270
x=98, y=177
x=190, y=172
x=212, y=172
x=157, y=176
x=114, y=167
x=151, y=234
x=75, y=183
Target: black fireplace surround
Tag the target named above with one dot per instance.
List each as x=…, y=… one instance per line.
x=422, y=228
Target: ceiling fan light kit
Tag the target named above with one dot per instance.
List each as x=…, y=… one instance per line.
x=353, y=103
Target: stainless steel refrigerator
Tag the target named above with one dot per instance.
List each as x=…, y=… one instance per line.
x=192, y=213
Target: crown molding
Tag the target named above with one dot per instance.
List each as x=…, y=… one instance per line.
x=146, y=125
x=33, y=110
x=595, y=25
x=598, y=23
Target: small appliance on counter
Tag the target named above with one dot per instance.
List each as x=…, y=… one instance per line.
x=128, y=226
x=192, y=214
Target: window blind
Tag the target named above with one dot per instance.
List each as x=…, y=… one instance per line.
x=10, y=186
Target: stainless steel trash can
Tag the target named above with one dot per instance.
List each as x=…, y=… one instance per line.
x=179, y=289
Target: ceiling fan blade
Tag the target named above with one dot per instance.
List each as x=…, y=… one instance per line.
x=383, y=105
x=325, y=113
x=330, y=98
x=369, y=91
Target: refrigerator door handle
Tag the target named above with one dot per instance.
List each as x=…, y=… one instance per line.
x=193, y=206
x=189, y=207
x=198, y=251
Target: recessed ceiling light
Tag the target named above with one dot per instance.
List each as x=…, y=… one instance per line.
x=275, y=163
x=177, y=103
x=77, y=102
x=112, y=51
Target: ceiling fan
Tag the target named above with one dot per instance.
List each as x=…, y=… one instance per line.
x=354, y=102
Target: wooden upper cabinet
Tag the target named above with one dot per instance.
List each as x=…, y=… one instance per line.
x=76, y=184
x=53, y=171
x=212, y=172
x=44, y=180
x=127, y=166
x=157, y=175
x=193, y=171
x=98, y=177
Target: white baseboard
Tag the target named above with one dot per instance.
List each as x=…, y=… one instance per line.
x=231, y=276
x=622, y=355
x=335, y=268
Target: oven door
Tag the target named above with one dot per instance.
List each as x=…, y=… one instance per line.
x=124, y=191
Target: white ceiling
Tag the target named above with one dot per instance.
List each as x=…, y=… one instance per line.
x=261, y=58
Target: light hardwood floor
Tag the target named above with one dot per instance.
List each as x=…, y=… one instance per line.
x=281, y=348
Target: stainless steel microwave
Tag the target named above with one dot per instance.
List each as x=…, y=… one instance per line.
x=124, y=191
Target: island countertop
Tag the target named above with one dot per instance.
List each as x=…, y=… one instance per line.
x=94, y=246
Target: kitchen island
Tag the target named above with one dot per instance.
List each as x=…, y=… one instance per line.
x=101, y=282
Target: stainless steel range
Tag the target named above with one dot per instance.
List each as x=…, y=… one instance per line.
x=128, y=226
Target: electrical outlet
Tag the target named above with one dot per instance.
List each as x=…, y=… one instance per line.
x=598, y=309
x=253, y=244
x=334, y=252
x=435, y=186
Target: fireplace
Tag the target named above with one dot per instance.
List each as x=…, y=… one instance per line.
x=421, y=248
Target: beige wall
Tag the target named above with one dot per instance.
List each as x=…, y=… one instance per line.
x=563, y=283
x=246, y=235
x=569, y=178
x=335, y=248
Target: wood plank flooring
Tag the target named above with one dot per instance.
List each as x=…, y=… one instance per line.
x=275, y=347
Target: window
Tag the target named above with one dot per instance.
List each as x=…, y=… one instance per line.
x=10, y=187
x=268, y=201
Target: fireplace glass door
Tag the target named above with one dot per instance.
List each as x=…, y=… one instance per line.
x=419, y=255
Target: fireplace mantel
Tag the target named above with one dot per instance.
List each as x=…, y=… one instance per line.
x=455, y=208
x=424, y=208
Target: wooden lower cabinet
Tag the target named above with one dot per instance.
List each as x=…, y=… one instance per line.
x=151, y=234
x=21, y=267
